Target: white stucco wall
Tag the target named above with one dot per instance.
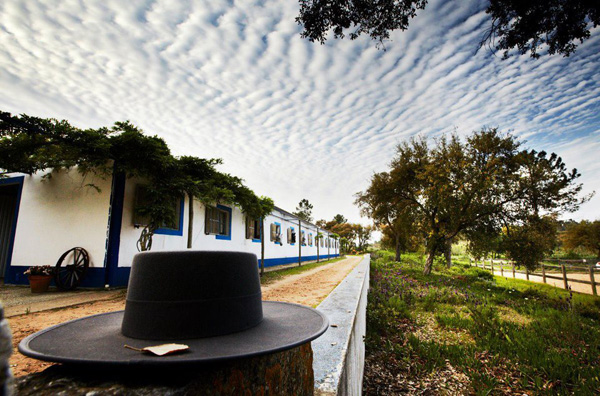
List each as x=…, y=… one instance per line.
x=61, y=213
x=201, y=241
x=58, y=214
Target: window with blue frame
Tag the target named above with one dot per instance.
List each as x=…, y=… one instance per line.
x=291, y=236
x=276, y=233
x=142, y=199
x=303, y=236
x=252, y=229
x=218, y=221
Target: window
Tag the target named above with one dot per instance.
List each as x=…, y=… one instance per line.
x=252, y=228
x=142, y=199
x=218, y=221
x=276, y=233
x=291, y=235
x=310, y=239
x=303, y=241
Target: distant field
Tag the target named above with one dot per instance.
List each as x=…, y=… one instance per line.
x=462, y=331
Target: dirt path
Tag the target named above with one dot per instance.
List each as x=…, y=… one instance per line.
x=308, y=288
x=575, y=286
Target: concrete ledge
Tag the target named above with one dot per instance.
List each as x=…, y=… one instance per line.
x=339, y=354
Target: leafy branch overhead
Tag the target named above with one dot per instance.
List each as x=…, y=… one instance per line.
x=527, y=26
x=31, y=144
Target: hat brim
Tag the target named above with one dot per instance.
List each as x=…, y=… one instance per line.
x=97, y=340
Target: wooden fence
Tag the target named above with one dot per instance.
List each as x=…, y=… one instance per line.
x=558, y=271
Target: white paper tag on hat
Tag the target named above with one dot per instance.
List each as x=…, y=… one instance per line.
x=161, y=350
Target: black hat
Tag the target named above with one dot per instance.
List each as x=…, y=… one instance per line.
x=210, y=301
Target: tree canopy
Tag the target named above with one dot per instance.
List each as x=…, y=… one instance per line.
x=31, y=144
x=528, y=26
x=350, y=235
x=304, y=210
x=458, y=186
x=585, y=234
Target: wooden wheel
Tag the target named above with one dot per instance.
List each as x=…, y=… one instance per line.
x=71, y=268
x=145, y=242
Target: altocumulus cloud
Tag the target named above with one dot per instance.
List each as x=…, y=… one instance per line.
x=294, y=119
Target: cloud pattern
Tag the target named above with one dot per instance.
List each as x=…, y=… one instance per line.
x=233, y=79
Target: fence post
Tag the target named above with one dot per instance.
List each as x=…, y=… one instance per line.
x=527, y=273
x=502, y=268
x=513, y=267
x=593, y=281
x=492, y=266
x=544, y=272
x=564, y=272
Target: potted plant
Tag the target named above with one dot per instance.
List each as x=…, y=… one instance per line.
x=39, y=277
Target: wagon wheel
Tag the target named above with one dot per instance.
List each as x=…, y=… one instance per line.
x=71, y=268
x=145, y=242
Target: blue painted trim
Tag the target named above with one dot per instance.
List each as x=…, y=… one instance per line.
x=113, y=274
x=225, y=237
x=9, y=274
x=173, y=231
x=269, y=262
x=94, y=277
x=260, y=228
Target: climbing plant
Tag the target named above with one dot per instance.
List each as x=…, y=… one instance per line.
x=31, y=144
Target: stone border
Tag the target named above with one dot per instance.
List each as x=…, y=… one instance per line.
x=339, y=354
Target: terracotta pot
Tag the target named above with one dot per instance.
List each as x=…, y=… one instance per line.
x=39, y=283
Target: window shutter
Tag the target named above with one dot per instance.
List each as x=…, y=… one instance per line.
x=249, y=230
x=207, y=220
x=273, y=232
x=289, y=235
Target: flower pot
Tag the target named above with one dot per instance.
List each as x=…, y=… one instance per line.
x=39, y=283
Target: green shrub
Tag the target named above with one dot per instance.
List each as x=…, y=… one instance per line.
x=479, y=273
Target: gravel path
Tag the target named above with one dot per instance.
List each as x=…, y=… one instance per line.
x=18, y=300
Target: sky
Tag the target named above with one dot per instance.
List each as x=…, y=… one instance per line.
x=295, y=119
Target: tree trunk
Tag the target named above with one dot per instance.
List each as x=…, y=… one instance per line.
x=318, y=241
x=429, y=263
x=190, y=221
x=448, y=253
x=299, y=243
x=397, y=249
x=262, y=246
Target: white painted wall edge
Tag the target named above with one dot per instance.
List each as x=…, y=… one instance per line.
x=331, y=351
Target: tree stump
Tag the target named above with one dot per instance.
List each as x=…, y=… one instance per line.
x=284, y=373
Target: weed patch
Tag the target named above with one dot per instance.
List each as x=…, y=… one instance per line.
x=494, y=335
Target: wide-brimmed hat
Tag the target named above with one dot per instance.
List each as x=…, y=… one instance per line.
x=209, y=301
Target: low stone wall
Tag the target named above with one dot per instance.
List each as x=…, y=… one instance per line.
x=339, y=355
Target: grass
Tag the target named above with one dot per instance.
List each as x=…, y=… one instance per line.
x=272, y=276
x=501, y=335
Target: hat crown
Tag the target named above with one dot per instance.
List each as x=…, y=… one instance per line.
x=191, y=294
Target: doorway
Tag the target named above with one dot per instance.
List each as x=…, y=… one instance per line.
x=9, y=197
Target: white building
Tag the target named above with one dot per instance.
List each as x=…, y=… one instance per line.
x=41, y=219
